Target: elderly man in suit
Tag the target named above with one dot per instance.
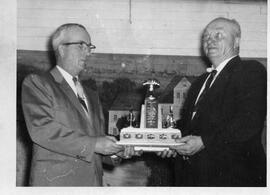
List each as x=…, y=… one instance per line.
x=65, y=121
x=223, y=116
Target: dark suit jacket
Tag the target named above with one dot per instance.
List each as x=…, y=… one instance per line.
x=63, y=135
x=230, y=121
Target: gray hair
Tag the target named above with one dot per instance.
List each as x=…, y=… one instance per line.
x=59, y=33
x=233, y=23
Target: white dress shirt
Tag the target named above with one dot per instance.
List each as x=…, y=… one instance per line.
x=69, y=78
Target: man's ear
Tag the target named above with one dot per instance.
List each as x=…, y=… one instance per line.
x=61, y=50
x=236, y=42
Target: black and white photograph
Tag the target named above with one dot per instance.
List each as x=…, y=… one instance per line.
x=134, y=96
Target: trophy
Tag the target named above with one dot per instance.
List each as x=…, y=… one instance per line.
x=152, y=135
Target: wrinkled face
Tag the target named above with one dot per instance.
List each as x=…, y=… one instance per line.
x=76, y=48
x=219, y=41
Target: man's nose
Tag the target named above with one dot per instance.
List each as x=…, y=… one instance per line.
x=88, y=52
x=210, y=40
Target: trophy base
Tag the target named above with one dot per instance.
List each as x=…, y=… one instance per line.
x=149, y=139
x=149, y=148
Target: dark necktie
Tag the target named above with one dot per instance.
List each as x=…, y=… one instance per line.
x=205, y=90
x=80, y=94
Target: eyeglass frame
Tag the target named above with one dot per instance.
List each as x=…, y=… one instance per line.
x=89, y=45
x=216, y=36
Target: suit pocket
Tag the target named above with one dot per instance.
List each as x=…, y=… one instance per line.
x=58, y=170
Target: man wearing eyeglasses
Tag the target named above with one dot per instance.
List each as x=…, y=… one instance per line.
x=65, y=122
x=223, y=116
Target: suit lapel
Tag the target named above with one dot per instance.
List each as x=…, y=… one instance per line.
x=92, y=110
x=223, y=78
x=66, y=89
x=216, y=89
x=196, y=87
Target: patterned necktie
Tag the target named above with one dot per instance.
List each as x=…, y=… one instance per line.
x=206, y=88
x=80, y=93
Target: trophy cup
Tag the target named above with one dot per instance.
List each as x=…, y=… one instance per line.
x=151, y=135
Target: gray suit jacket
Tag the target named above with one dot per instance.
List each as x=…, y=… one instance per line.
x=63, y=135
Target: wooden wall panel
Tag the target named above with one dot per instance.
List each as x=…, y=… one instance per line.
x=107, y=67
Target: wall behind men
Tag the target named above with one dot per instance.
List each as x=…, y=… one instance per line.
x=150, y=27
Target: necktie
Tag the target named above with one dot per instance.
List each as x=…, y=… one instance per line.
x=206, y=88
x=80, y=93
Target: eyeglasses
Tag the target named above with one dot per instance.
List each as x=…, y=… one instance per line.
x=216, y=36
x=82, y=43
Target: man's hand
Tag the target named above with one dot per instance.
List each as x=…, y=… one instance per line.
x=128, y=152
x=106, y=145
x=167, y=153
x=191, y=145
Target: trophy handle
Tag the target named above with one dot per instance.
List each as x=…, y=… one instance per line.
x=159, y=117
x=142, y=122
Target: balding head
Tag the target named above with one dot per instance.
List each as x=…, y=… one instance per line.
x=234, y=25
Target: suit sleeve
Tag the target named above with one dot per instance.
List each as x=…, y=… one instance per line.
x=44, y=130
x=247, y=120
x=109, y=160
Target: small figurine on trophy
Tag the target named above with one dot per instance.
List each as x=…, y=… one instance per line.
x=151, y=104
x=170, y=120
x=131, y=118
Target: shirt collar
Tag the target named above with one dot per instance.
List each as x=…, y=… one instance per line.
x=68, y=77
x=220, y=66
x=65, y=74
